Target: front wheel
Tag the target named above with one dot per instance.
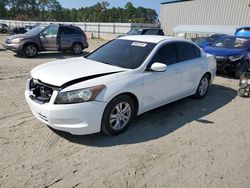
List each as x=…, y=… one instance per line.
x=77, y=49
x=203, y=87
x=117, y=115
x=30, y=50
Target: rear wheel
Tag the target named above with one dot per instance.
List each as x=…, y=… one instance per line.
x=203, y=86
x=117, y=115
x=30, y=50
x=4, y=31
x=77, y=48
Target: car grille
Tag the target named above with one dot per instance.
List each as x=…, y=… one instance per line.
x=40, y=92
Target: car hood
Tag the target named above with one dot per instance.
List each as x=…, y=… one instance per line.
x=223, y=51
x=17, y=36
x=72, y=71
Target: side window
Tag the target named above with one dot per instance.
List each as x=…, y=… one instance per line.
x=160, y=32
x=185, y=51
x=166, y=54
x=67, y=31
x=151, y=32
x=78, y=30
x=51, y=30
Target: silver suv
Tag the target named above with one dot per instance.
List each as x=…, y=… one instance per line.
x=48, y=38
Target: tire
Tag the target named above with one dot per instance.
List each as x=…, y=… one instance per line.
x=122, y=110
x=241, y=92
x=203, y=87
x=4, y=31
x=77, y=48
x=30, y=50
x=241, y=70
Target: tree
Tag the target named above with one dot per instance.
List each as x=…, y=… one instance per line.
x=51, y=10
x=3, y=9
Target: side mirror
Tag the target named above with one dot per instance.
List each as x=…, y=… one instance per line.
x=158, y=67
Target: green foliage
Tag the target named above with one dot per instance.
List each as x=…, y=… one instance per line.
x=51, y=10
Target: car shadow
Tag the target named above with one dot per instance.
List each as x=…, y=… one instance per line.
x=162, y=121
x=52, y=54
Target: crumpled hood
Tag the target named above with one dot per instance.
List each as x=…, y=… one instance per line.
x=60, y=72
x=224, y=51
x=17, y=36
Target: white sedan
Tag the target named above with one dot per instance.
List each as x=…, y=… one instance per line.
x=126, y=77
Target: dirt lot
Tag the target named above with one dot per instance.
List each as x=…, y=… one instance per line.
x=190, y=143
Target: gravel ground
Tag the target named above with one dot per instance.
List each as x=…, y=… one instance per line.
x=189, y=143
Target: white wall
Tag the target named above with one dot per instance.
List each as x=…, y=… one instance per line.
x=97, y=29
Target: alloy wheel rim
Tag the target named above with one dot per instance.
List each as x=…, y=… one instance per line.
x=77, y=49
x=31, y=51
x=203, y=86
x=120, y=116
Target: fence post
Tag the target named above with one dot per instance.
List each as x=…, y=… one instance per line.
x=99, y=30
x=114, y=28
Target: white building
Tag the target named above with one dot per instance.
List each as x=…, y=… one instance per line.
x=221, y=13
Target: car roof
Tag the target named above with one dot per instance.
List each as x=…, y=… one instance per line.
x=235, y=36
x=136, y=29
x=149, y=38
x=246, y=27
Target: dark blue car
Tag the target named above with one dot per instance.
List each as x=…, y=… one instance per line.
x=206, y=41
x=232, y=54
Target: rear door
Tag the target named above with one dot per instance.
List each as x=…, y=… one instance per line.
x=67, y=37
x=192, y=66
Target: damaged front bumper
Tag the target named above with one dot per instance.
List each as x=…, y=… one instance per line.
x=225, y=65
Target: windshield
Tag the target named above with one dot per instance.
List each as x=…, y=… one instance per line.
x=35, y=31
x=201, y=40
x=123, y=53
x=231, y=42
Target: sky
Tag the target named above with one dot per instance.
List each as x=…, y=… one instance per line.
x=153, y=4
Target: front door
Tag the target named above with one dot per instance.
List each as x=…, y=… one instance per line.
x=160, y=88
x=49, y=38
